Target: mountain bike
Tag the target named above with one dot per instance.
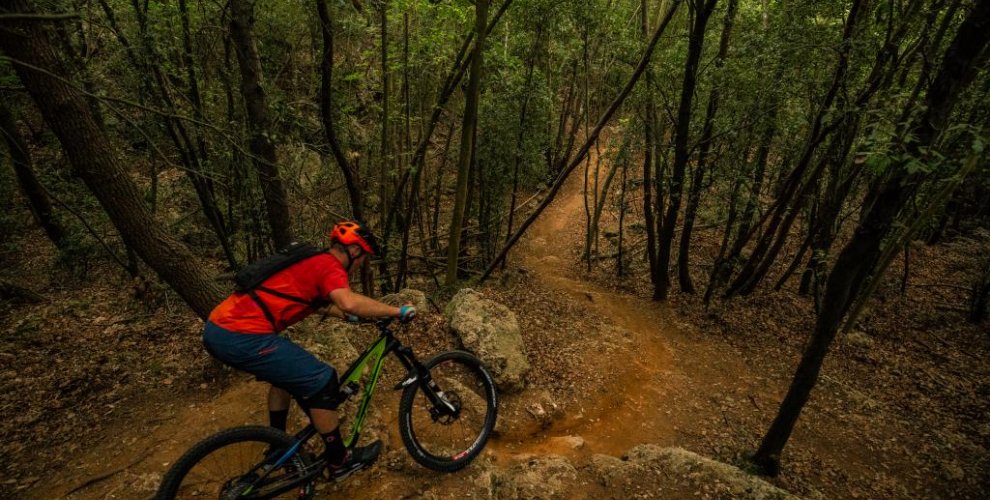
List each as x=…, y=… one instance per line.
x=447, y=412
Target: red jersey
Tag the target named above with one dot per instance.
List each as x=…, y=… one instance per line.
x=309, y=279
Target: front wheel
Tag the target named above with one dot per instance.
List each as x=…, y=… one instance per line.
x=235, y=463
x=446, y=421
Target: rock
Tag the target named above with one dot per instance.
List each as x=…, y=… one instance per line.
x=409, y=296
x=608, y=469
x=544, y=408
x=490, y=331
x=651, y=466
x=538, y=477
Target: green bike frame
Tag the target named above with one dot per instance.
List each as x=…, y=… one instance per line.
x=374, y=357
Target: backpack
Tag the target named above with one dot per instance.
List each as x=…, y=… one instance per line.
x=249, y=279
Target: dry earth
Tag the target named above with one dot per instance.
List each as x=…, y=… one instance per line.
x=99, y=397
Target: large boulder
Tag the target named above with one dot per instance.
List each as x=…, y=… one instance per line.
x=678, y=473
x=490, y=330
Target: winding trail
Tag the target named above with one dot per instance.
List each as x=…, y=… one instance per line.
x=659, y=379
x=659, y=365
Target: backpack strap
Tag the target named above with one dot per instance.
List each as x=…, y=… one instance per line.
x=314, y=304
x=264, y=309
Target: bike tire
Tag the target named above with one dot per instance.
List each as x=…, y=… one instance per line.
x=178, y=477
x=463, y=378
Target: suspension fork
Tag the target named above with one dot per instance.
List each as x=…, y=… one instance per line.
x=419, y=374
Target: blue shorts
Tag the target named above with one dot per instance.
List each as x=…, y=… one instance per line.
x=270, y=357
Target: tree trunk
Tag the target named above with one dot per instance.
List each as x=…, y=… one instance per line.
x=648, y=149
x=467, y=142
x=859, y=257
x=724, y=244
x=622, y=213
x=34, y=192
x=702, y=11
x=350, y=174
x=517, y=154
x=259, y=120
x=383, y=203
x=97, y=162
x=704, y=151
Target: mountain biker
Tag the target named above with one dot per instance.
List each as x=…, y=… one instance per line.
x=242, y=334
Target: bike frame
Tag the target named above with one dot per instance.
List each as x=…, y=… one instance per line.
x=374, y=356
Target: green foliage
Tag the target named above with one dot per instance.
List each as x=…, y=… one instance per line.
x=780, y=63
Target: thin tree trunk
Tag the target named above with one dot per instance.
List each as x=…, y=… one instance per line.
x=587, y=162
x=467, y=142
x=723, y=246
x=702, y=11
x=351, y=180
x=436, y=190
x=725, y=265
x=622, y=215
x=694, y=197
x=621, y=158
x=202, y=183
x=34, y=192
x=385, y=165
x=259, y=120
x=648, y=180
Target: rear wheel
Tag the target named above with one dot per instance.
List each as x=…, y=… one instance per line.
x=230, y=464
x=446, y=432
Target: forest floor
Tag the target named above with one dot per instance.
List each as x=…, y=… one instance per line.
x=100, y=396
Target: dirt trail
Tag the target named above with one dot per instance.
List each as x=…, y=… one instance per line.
x=655, y=368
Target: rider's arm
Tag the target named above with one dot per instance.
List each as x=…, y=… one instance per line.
x=350, y=302
x=332, y=310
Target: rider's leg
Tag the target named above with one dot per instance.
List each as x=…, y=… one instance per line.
x=322, y=410
x=324, y=420
x=312, y=382
x=278, y=407
x=328, y=424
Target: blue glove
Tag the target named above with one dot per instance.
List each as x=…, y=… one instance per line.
x=407, y=314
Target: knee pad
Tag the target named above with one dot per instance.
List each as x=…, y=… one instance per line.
x=327, y=398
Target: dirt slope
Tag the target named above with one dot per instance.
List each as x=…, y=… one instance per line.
x=611, y=371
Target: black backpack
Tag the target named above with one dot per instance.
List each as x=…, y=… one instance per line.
x=249, y=279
